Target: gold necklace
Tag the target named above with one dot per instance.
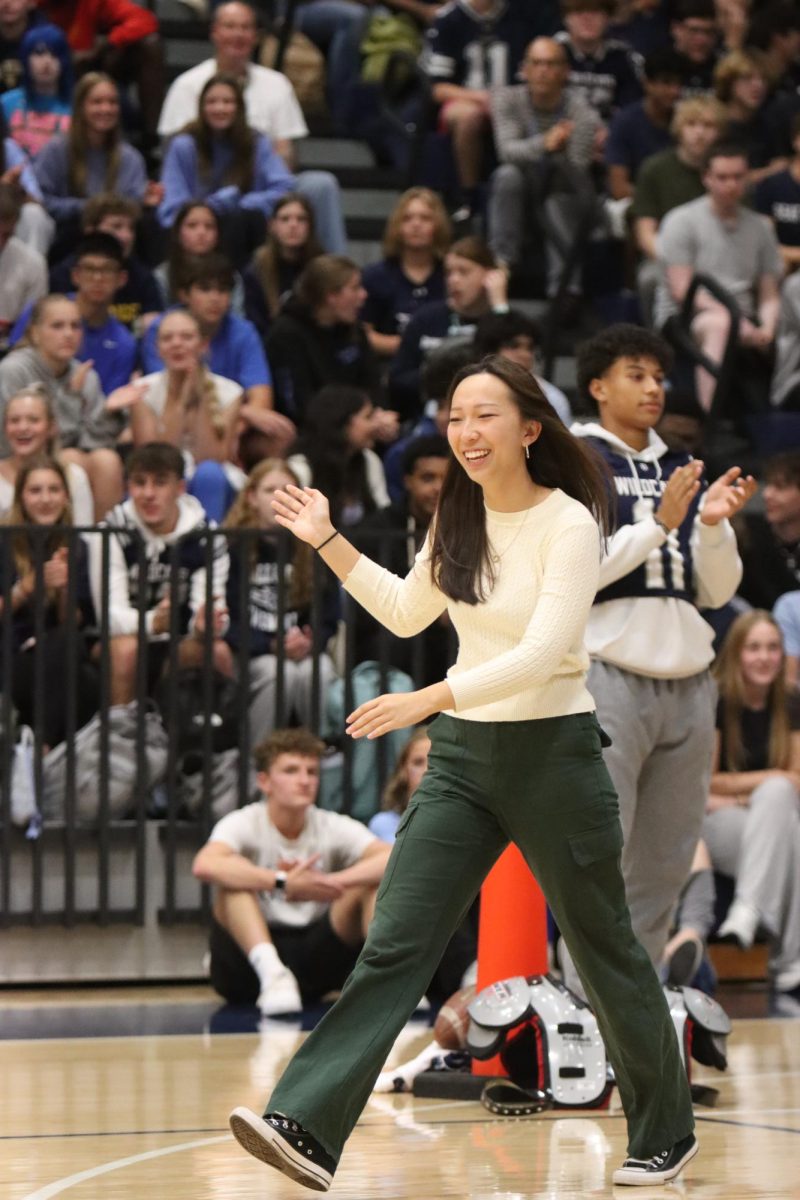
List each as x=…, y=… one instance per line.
x=494, y=554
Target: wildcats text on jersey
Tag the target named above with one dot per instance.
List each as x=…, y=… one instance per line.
x=639, y=482
x=639, y=487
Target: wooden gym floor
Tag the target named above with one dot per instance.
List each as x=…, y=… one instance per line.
x=89, y=1114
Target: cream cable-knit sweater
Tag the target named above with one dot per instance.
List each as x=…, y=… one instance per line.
x=521, y=653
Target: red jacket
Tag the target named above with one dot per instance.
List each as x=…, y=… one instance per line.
x=83, y=21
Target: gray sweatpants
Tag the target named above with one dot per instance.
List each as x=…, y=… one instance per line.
x=512, y=193
x=759, y=847
x=662, y=733
x=298, y=691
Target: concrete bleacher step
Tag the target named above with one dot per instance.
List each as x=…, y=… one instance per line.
x=368, y=203
x=332, y=153
x=369, y=192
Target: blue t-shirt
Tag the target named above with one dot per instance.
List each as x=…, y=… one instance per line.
x=384, y=825
x=112, y=348
x=632, y=137
x=393, y=298
x=235, y=352
x=778, y=197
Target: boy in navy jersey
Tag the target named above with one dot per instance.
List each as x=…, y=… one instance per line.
x=159, y=512
x=472, y=47
x=673, y=550
x=607, y=71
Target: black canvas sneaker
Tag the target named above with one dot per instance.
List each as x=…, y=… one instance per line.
x=280, y=1142
x=639, y=1172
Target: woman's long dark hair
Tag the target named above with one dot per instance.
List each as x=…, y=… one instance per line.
x=177, y=258
x=337, y=470
x=241, y=137
x=460, y=562
x=267, y=259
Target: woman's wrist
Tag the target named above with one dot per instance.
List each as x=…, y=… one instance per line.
x=437, y=697
x=325, y=541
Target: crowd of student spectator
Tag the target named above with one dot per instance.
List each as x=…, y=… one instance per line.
x=658, y=128
x=182, y=329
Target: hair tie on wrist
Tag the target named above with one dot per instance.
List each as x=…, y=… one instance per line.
x=664, y=528
x=327, y=539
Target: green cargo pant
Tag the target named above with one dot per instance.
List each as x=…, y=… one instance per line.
x=543, y=785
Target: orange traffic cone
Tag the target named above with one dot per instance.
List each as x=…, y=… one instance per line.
x=512, y=936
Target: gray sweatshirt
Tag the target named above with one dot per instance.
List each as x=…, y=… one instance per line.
x=83, y=422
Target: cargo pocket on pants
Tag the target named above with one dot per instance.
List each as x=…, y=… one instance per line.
x=397, y=849
x=593, y=845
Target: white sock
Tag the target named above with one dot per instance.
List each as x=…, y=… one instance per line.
x=265, y=962
x=401, y=1078
x=742, y=921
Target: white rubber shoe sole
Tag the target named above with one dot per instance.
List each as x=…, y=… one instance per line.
x=644, y=1174
x=264, y=1143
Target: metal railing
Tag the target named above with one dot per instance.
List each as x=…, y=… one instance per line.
x=723, y=372
x=82, y=861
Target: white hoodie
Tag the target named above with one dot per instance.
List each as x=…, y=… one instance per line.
x=123, y=616
x=663, y=637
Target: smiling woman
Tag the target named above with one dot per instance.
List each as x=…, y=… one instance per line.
x=221, y=160
x=752, y=822
x=193, y=409
x=40, y=569
x=513, y=556
x=91, y=157
x=87, y=427
x=30, y=429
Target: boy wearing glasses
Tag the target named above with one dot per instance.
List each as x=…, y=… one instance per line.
x=97, y=273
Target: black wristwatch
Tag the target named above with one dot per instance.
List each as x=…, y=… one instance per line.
x=280, y=881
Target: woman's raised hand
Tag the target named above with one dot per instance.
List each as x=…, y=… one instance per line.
x=305, y=512
x=126, y=396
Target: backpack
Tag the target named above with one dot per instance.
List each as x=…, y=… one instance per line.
x=385, y=34
x=186, y=689
x=303, y=66
x=366, y=684
x=123, y=765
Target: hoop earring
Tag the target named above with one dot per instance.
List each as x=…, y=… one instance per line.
x=527, y=450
